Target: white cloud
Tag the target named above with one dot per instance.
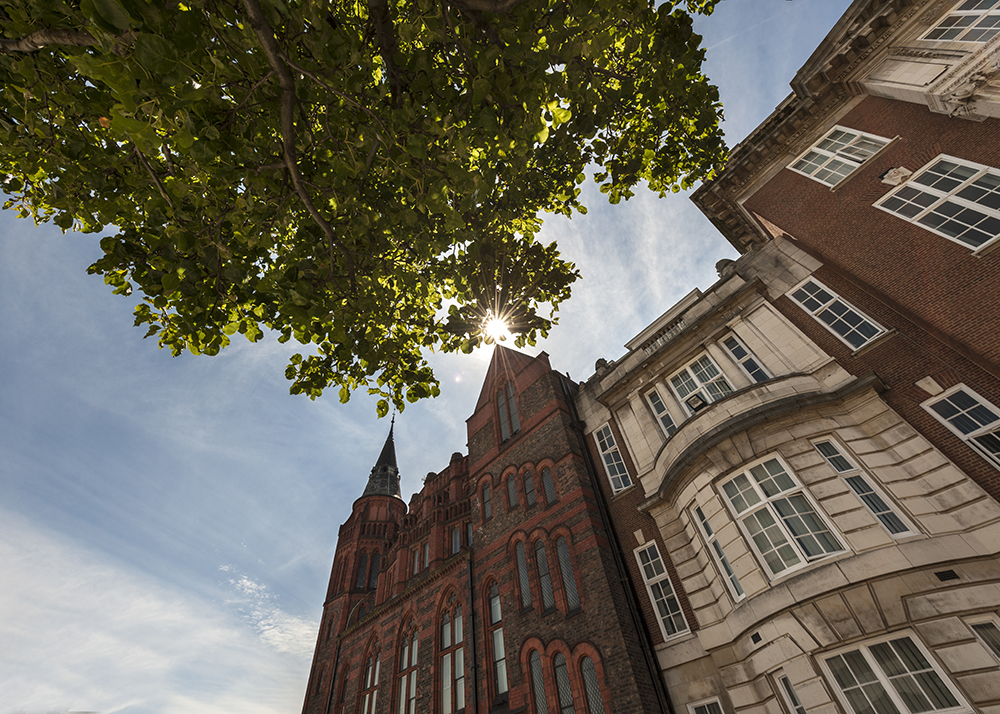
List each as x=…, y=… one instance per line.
x=83, y=633
x=277, y=629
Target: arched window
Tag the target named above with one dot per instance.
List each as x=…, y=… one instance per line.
x=511, y=492
x=522, y=575
x=408, y=671
x=563, y=688
x=343, y=690
x=361, y=612
x=529, y=490
x=497, y=650
x=362, y=572
x=591, y=687
x=537, y=682
x=373, y=577
x=487, y=502
x=568, y=578
x=369, y=691
x=452, y=659
x=549, y=485
x=507, y=408
x=544, y=578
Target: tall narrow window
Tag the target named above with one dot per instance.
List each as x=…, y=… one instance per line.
x=549, y=485
x=511, y=492
x=890, y=677
x=522, y=575
x=662, y=415
x=373, y=576
x=487, y=502
x=661, y=592
x=970, y=417
x=456, y=540
x=369, y=693
x=858, y=482
x=836, y=315
x=568, y=578
x=416, y=560
x=791, y=697
x=343, y=690
x=956, y=199
x=537, y=682
x=427, y=555
x=563, y=688
x=496, y=641
x=613, y=463
x=544, y=578
x=745, y=359
x=362, y=572
x=700, y=383
x=408, y=673
x=468, y=534
x=452, y=660
x=712, y=540
x=989, y=633
x=507, y=408
x=970, y=21
x=529, y=490
x=774, y=510
x=591, y=687
x=834, y=157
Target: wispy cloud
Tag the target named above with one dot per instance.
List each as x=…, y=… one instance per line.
x=259, y=608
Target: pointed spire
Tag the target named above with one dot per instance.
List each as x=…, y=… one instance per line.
x=384, y=478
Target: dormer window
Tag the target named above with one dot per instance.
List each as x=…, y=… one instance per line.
x=507, y=408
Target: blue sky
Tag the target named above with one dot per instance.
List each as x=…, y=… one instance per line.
x=167, y=524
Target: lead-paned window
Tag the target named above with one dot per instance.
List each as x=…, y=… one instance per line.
x=894, y=676
x=369, y=693
x=614, y=465
x=549, y=485
x=568, y=578
x=662, y=415
x=591, y=687
x=661, y=592
x=773, y=509
x=969, y=21
x=700, y=383
x=373, y=576
x=537, y=682
x=522, y=575
x=834, y=157
x=496, y=641
x=859, y=483
x=452, y=661
x=362, y=572
x=407, y=679
x=529, y=490
x=544, y=576
x=511, y=492
x=970, y=417
x=712, y=540
x=507, y=408
x=487, y=502
x=956, y=199
x=563, y=688
x=745, y=359
x=836, y=314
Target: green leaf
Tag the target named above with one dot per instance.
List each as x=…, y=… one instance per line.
x=112, y=12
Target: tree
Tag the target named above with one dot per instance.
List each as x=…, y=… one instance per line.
x=365, y=178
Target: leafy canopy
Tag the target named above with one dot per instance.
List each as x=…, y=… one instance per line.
x=365, y=178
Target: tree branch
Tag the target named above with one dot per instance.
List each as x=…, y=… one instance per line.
x=385, y=35
x=152, y=174
x=265, y=34
x=42, y=38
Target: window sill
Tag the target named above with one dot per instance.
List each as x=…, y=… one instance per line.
x=873, y=343
x=873, y=157
x=986, y=249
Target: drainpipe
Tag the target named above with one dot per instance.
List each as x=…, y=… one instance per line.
x=645, y=642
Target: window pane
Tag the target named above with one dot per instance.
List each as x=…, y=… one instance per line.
x=549, y=485
x=566, y=569
x=563, y=688
x=990, y=635
x=537, y=682
x=591, y=687
x=544, y=579
x=522, y=575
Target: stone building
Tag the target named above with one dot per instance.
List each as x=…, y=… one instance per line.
x=783, y=497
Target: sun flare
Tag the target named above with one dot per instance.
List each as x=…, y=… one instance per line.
x=495, y=328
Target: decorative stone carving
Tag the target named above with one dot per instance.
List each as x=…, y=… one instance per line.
x=961, y=101
x=725, y=267
x=896, y=176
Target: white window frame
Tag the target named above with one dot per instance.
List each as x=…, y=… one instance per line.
x=661, y=577
x=663, y=416
x=923, y=200
x=941, y=32
x=857, y=479
x=694, y=706
x=748, y=357
x=788, y=694
x=611, y=457
x=713, y=546
x=989, y=429
x=839, y=148
x=985, y=620
x=702, y=387
x=830, y=306
x=883, y=678
x=774, y=518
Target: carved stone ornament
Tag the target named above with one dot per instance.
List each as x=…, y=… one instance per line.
x=962, y=99
x=725, y=267
x=896, y=176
